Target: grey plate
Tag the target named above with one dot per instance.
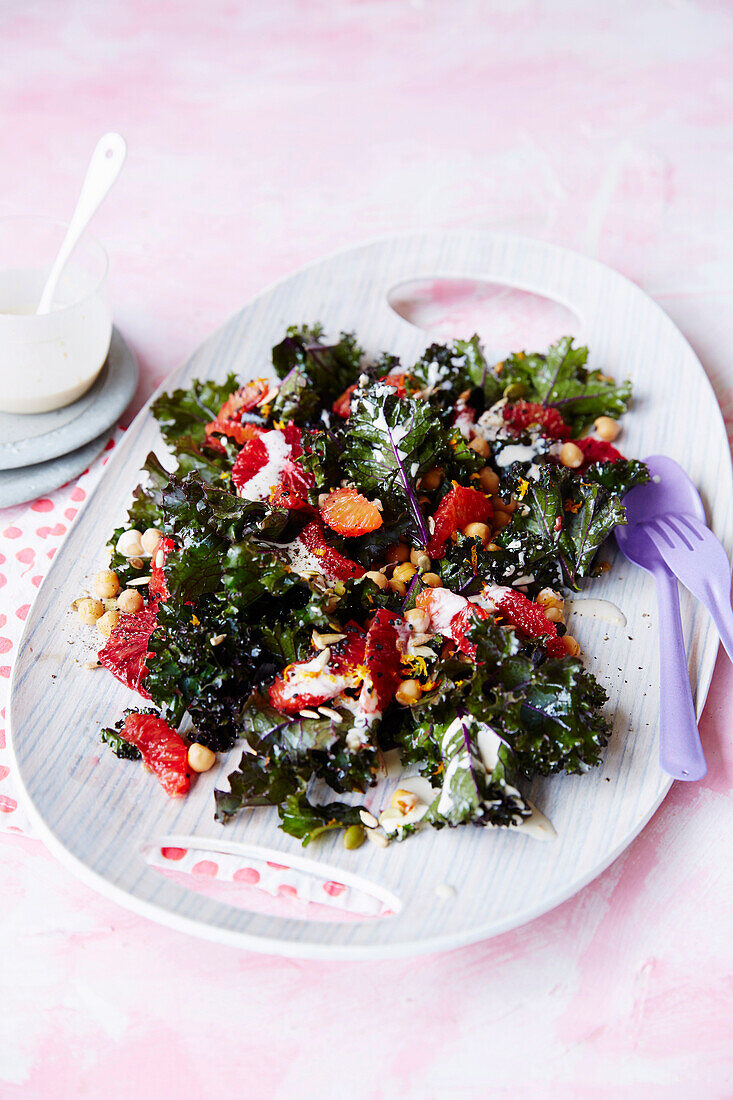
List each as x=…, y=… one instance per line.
x=17, y=486
x=39, y=437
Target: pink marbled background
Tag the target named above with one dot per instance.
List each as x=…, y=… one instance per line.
x=261, y=136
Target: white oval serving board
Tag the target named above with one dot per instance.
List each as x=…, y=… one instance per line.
x=98, y=814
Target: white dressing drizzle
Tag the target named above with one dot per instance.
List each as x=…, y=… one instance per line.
x=604, y=610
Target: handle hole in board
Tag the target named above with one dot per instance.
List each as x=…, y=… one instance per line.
x=257, y=880
x=505, y=317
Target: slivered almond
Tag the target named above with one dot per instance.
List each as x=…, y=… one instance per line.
x=334, y=715
x=379, y=839
x=369, y=819
x=138, y=581
x=309, y=714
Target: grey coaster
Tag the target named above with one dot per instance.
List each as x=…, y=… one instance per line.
x=39, y=437
x=29, y=482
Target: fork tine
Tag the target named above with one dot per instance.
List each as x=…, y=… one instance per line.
x=660, y=528
x=669, y=523
x=691, y=526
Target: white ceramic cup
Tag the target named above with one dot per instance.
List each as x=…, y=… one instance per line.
x=49, y=361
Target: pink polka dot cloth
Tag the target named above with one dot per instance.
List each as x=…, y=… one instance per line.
x=30, y=535
x=262, y=886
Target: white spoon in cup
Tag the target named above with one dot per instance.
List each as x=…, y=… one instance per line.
x=104, y=168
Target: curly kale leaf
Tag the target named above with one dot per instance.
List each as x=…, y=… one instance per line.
x=315, y=746
x=307, y=820
x=391, y=442
x=447, y=370
x=328, y=368
x=187, y=412
x=564, y=519
x=206, y=663
x=475, y=786
x=289, y=751
x=322, y=455
x=547, y=712
x=210, y=526
x=122, y=749
x=561, y=379
x=297, y=400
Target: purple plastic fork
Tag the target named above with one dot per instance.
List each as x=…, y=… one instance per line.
x=698, y=559
x=680, y=751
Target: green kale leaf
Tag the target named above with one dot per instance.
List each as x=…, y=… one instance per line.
x=450, y=369
x=328, y=368
x=121, y=748
x=391, y=442
x=564, y=518
x=560, y=378
x=307, y=821
x=185, y=413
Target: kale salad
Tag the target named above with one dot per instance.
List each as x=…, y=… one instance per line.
x=362, y=559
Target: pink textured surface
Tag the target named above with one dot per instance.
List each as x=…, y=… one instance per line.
x=262, y=136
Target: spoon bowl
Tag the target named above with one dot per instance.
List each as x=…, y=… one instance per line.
x=670, y=490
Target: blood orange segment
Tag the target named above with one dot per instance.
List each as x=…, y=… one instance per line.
x=252, y=458
x=162, y=750
x=457, y=509
x=314, y=682
x=228, y=420
x=157, y=586
x=596, y=450
x=527, y=414
x=332, y=564
x=342, y=405
x=530, y=620
x=349, y=513
x=460, y=625
x=382, y=656
x=441, y=605
x=125, y=650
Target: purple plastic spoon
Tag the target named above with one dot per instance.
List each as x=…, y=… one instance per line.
x=680, y=751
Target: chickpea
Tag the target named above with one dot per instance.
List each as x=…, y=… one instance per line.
x=489, y=480
x=404, y=572
x=89, y=611
x=420, y=559
x=200, y=758
x=107, y=622
x=571, y=645
x=150, y=540
x=554, y=614
x=432, y=580
x=130, y=601
x=403, y=800
x=106, y=584
x=418, y=619
x=571, y=455
x=129, y=544
x=480, y=446
x=399, y=552
x=606, y=428
x=478, y=531
x=408, y=692
x=399, y=587
x=432, y=479
x=548, y=597
x=501, y=519
x=378, y=578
